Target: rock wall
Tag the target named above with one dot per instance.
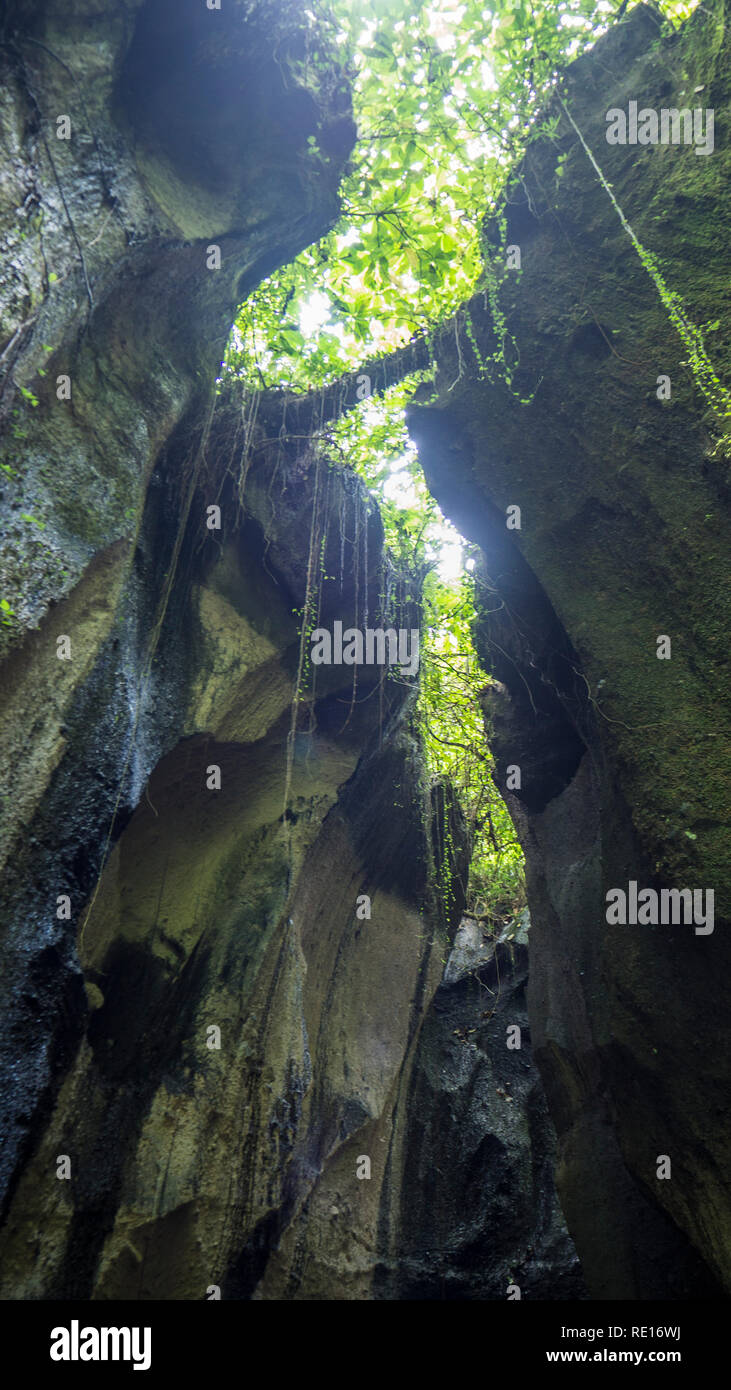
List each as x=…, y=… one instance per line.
x=203, y=1041
x=623, y=756
x=139, y=141
x=241, y=1038
x=479, y=1211
x=112, y=322
x=206, y=1045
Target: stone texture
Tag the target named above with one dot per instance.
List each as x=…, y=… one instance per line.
x=227, y=909
x=479, y=1209
x=104, y=280
x=624, y=757
x=195, y=909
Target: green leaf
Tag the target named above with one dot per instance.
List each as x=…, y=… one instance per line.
x=292, y=338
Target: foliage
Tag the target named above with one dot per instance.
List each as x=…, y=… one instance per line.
x=374, y=442
x=453, y=732
x=445, y=97
x=691, y=336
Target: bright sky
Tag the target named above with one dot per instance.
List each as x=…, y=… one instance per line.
x=400, y=489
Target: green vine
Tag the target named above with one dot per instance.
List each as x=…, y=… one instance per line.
x=699, y=363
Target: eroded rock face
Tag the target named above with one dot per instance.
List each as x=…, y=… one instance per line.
x=198, y=1019
x=479, y=1210
x=213, y=849
x=112, y=322
x=623, y=756
x=240, y=1039
x=219, y=916
x=236, y=1021
x=110, y=317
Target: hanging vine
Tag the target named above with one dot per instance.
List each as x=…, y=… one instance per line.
x=699, y=363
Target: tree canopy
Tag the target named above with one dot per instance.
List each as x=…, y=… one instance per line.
x=445, y=97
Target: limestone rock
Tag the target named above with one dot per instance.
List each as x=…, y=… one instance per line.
x=623, y=756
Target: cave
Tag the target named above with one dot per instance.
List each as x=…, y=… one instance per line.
x=272, y=1052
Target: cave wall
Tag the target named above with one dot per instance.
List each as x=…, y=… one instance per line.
x=624, y=757
x=105, y=291
x=190, y=908
x=479, y=1212
x=236, y=1168
x=194, y=908
x=215, y=910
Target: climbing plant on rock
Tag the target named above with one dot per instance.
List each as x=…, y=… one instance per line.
x=446, y=98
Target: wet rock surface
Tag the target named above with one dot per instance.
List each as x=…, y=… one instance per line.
x=214, y=1037
x=479, y=1207
x=623, y=756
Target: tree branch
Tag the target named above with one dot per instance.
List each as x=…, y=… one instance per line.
x=307, y=413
